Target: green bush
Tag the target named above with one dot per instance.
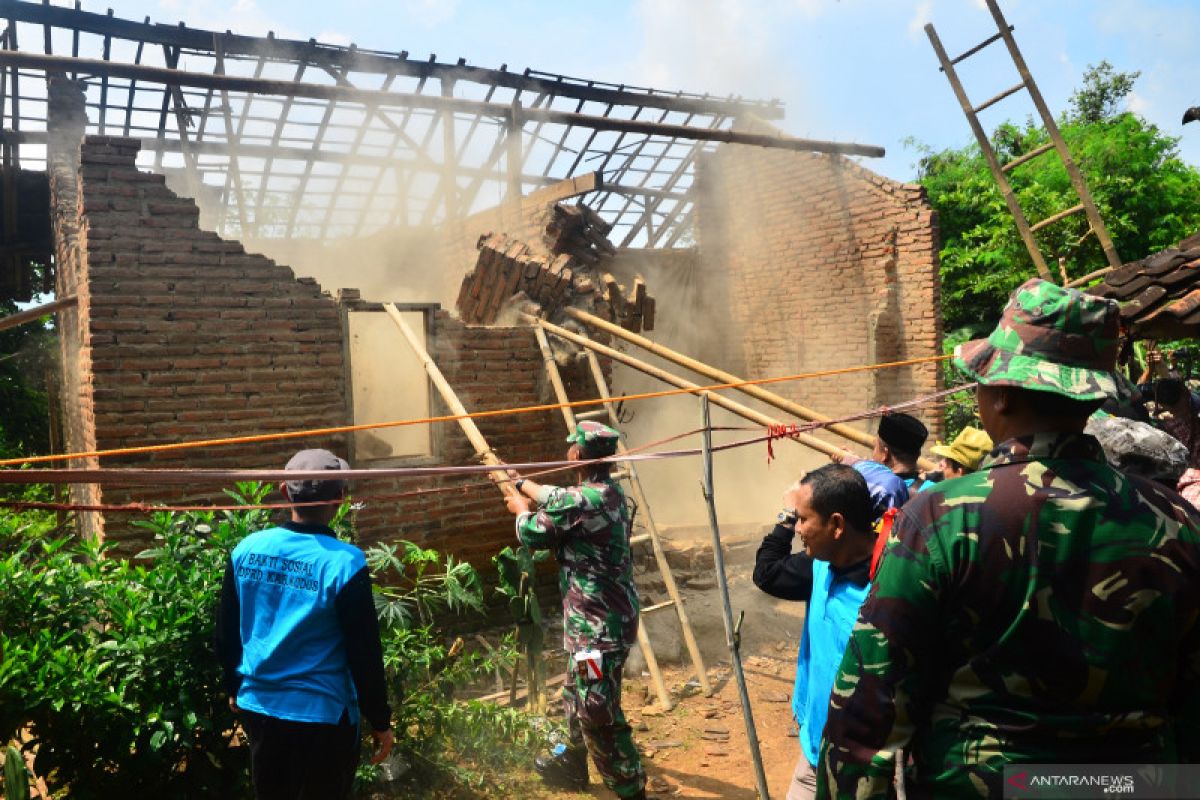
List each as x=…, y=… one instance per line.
x=109, y=662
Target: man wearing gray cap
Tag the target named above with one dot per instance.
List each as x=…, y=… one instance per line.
x=298, y=639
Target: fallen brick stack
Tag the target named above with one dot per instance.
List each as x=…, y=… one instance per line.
x=580, y=232
x=507, y=274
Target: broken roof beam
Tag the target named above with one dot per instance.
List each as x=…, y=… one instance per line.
x=204, y=80
x=358, y=60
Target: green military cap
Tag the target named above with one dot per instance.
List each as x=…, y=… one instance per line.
x=1049, y=339
x=594, y=439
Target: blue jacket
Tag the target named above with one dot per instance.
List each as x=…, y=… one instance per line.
x=297, y=631
x=834, y=596
x=830, y=617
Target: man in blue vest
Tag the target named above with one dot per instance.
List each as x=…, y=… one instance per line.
x=832, y=508
x=298, y=639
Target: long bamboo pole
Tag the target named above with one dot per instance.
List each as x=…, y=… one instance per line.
x=732, y=633
x=668, y=377
x=757, y=392
x=485, y=453
x=36, y=313
x=664, y=567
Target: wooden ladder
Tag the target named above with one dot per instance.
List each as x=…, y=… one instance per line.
x=628, y=474
x=1056, y=143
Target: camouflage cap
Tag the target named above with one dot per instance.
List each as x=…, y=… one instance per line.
x=1049, y=339
x=594, y=439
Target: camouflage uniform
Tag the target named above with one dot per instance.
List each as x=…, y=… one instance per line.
x=1041, y=610
x=587, y=526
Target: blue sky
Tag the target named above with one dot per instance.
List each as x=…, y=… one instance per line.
x=848, y=70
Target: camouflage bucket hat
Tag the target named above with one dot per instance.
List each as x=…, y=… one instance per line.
x=594, y=439
x=1049, y=339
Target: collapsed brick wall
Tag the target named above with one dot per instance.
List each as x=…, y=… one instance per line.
x=193, y=338
x=824, y=264
x=189, y=336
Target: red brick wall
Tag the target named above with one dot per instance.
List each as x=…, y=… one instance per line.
x=489, y=368
x=190, y=336
x=193, y=338
x=825, y=264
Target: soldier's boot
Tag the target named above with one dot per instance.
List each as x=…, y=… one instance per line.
x=565, y=768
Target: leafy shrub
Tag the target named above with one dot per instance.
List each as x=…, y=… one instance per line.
x=109, y=662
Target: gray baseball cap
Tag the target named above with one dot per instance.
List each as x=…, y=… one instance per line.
x=310, y=461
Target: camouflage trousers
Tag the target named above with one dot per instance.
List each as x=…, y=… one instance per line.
x=594, y=718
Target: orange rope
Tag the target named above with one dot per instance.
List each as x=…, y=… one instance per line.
x=267, y=437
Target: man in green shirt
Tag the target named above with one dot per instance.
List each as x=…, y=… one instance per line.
x=1041, y=610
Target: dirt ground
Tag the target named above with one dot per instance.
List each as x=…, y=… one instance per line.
x=699, y=748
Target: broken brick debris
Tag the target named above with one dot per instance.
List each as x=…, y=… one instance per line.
x=506, y=269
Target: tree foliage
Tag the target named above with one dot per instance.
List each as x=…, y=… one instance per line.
x=27, y=357
x=1148, y=197
x=108, y=663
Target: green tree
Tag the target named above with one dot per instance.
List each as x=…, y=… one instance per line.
x=27, y=356
x=1148, y=197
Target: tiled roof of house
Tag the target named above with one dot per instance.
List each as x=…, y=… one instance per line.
x=1160, y=294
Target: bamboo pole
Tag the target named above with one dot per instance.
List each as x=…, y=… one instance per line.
x=36, y=313
x=560, y=393
x=639, y=494
x=485, y=453
x=709, y=371
x=667, y=377
x=732, y=633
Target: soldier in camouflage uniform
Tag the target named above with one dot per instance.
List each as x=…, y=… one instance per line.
x=1041, y=610
x=587, y=527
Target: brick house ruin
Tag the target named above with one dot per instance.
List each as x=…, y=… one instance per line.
x=176, y=201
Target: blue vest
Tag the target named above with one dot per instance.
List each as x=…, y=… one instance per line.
x=832, y=611
x=293, y=653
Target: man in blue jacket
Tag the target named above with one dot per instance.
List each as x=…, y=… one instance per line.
x=298, y=639
x=833, y=509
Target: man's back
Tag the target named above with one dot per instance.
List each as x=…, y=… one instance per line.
x=294, y=661
x=1064, y=597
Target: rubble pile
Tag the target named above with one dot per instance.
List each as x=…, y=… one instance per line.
x=508, y=274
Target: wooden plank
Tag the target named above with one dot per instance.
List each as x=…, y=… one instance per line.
x=202, y=80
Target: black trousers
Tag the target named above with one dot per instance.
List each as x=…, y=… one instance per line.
x=301, y=760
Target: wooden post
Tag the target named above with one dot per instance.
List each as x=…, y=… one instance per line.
x=757, y=392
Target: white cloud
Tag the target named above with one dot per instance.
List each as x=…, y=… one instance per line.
x=720, y=46
x=429, y=13
x=922, y=15
x=240, y=16
x=1139, y=104
x=334, y=37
